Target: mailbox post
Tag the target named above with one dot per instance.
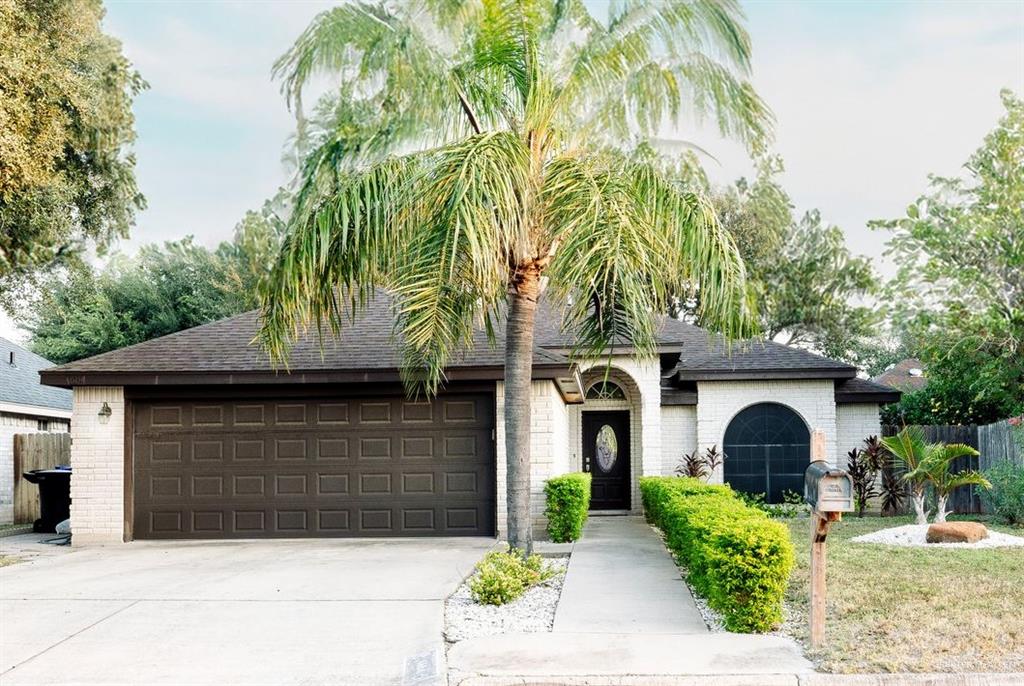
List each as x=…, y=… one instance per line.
x=829, y=491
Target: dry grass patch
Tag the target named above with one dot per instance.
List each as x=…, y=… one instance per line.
x=893, y=609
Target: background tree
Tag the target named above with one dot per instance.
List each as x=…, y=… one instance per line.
x=811, y=291
x=81, y=312
x=483, y=146
x=960, y=284
x=67, y=177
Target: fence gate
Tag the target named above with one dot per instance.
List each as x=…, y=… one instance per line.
x=35, y=451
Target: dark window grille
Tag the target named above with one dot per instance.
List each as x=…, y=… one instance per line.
x=767, y=448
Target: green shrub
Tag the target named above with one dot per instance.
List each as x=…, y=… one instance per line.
x=736, y=557
x=1006, y=497
x=501, y=577
x=792, y=505
x=568, y=498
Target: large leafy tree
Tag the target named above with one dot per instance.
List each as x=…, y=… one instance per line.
x=813, y=287
x=960, y=284
x=811, y=290
x=165, y=288
x=481, y=150
x=66, y=127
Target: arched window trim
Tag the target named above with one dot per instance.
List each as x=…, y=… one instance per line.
x=605, y=390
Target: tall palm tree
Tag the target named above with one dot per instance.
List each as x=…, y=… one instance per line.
x=479, y=151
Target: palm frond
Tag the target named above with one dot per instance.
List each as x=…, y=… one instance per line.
x=468, y=225
x=908, y=447
x=343, y=248
x=627, y=241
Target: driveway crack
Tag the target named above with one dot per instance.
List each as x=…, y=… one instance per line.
x=71, y=636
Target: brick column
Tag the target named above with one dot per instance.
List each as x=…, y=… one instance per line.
x=97, y=461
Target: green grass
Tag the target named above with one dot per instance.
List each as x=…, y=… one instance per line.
x=894, y=609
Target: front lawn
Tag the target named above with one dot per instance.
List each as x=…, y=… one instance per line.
x=911, y=609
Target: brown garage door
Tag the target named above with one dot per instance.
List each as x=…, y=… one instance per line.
x=381, y=466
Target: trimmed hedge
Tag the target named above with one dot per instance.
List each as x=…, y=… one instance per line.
x=568, y=499
x=737, y=558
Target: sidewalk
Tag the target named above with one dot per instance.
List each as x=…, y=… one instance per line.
x=624, y=610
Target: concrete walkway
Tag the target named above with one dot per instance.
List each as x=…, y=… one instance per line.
x=624, y=611
x=622, y=580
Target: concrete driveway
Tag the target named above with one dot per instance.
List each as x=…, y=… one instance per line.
x=270, y=612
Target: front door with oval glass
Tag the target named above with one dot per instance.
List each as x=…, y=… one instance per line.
x=606, y=457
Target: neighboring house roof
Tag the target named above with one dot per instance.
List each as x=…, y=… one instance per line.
x=367, y=350
x=865, y=391
x=907, y=375
x=20, y=388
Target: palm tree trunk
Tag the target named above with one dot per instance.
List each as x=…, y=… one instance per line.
x=940, y=513
x=518, y=373
x=918, y=497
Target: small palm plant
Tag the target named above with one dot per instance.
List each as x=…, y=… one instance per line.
x=909, y=450
x=935, y=469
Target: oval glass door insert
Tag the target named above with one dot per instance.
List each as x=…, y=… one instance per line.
x=607, y=448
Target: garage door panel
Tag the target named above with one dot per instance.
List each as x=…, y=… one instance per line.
x=352, y=467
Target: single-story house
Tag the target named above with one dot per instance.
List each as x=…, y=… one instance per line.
x=198, y=435
x=26, y=406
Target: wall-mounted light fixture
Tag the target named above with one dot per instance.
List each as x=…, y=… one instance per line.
x=104, y=413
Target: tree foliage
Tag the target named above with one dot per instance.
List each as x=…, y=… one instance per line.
x=161, y=290
x=66, y=127
x=481, y=151
x=518, y=156
x=960, y=284
x=810, y=289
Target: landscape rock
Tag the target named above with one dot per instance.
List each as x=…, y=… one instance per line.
x=956, y=532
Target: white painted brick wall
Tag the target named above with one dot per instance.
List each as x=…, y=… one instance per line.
x=678, y=435
x=97, y=461
x=549, y=442
x=854, y=423
x=11, y=424
x=720, y=401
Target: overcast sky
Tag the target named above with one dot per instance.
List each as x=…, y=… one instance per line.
x=869, y=98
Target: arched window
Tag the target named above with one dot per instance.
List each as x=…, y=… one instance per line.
x=605, y=390
x=767, y=448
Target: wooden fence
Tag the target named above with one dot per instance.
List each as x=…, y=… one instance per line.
x=996, y=443
x=35, y=451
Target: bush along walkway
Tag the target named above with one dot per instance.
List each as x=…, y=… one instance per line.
x=624, y=610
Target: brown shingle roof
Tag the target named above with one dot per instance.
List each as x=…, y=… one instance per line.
x=224, y=352
x=899, y=375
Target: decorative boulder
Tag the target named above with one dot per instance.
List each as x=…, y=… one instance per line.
x=956, y=532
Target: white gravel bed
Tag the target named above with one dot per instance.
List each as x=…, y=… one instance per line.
x=534, y=611
x=913, y=535
x=711, y=617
